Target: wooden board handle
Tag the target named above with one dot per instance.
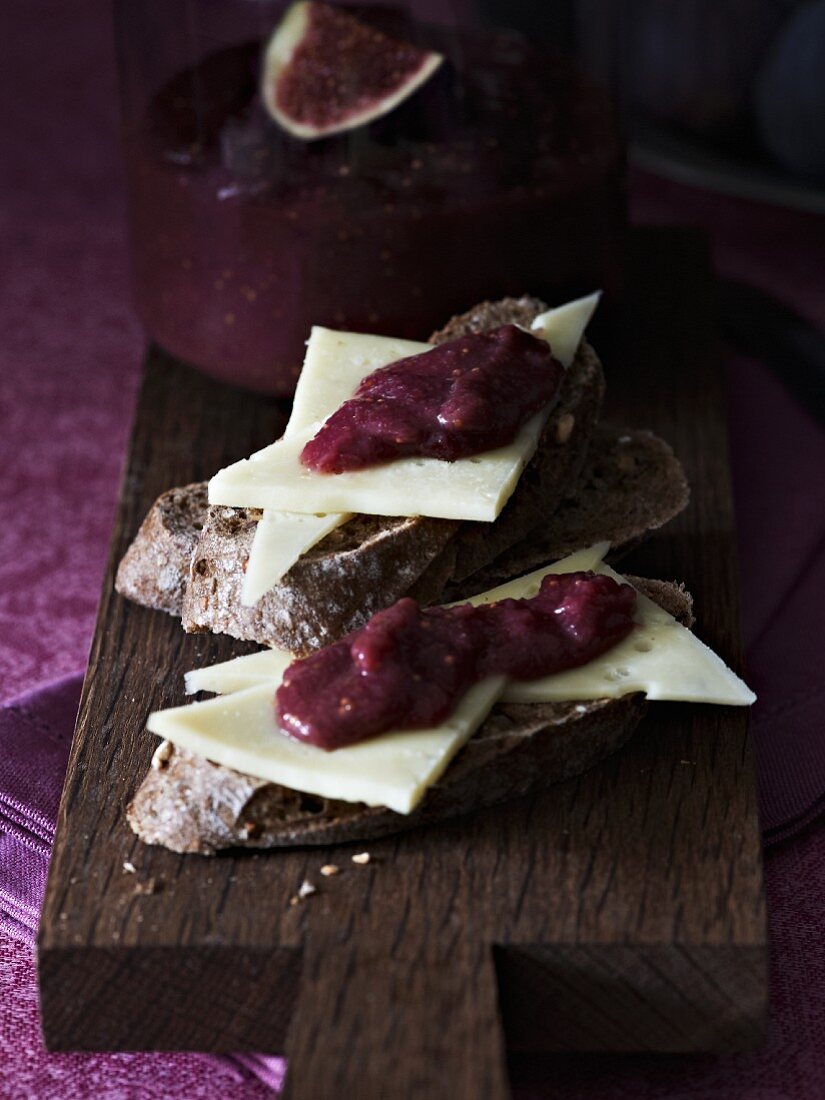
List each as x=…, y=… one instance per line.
x=410, y=1027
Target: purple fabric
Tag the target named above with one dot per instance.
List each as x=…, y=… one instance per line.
x=69, y=359
x=35, y=735
x=778, y=457
x=27, y=1074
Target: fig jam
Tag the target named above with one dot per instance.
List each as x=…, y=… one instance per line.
x=502, y=174
x=464, y=397
x=408, y=668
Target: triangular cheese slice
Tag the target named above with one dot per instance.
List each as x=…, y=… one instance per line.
x=280, y=539
x=661, y=658
x=475, y=488
x=394, y=770
x=563, y=327
x=239, y=729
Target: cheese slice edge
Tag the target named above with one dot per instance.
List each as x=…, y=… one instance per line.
x=239, y=673
x=563, y=326
x=240, y=731
x=475, y=488
x=280, y=539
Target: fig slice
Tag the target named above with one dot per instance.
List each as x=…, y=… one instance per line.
x=326, y=71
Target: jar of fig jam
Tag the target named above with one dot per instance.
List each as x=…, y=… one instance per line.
x=368, y=167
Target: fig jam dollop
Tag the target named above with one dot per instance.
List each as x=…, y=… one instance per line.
x=464, y=397
x=408, y=668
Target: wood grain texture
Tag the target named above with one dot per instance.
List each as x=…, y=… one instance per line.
x=622, y=910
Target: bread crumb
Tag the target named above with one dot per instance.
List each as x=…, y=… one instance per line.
x=330, y=869
x=305, y=890
x=361, y=857
x=162, y=755
x=129, y=868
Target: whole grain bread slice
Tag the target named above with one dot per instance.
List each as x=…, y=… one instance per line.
x=189, y=804
x=371, y=561
x=631, y=483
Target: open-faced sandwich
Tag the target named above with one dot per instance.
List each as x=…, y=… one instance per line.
x=412, y=475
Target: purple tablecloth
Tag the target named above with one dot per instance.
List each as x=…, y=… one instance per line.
x=69, y=360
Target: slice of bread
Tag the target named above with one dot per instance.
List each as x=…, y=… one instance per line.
x=631, y=484
x=188, y=804
x=356, y=570
x=372, y=560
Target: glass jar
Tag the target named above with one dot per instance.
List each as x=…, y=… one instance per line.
x=502, y=174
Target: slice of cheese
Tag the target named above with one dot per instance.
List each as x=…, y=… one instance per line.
x=266, y=667
x=474, y=488
x=281, y=538
x=563, y=327
x=240, y=731
x=660, y=657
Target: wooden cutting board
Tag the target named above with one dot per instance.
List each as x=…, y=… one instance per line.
x=619, y=911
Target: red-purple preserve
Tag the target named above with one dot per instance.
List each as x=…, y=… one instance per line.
x=408, y=668
x=464, y=397
x=503, y=173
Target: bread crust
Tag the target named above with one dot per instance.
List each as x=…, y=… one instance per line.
x=191, y=805
x=154, y=571
x=335, y=587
